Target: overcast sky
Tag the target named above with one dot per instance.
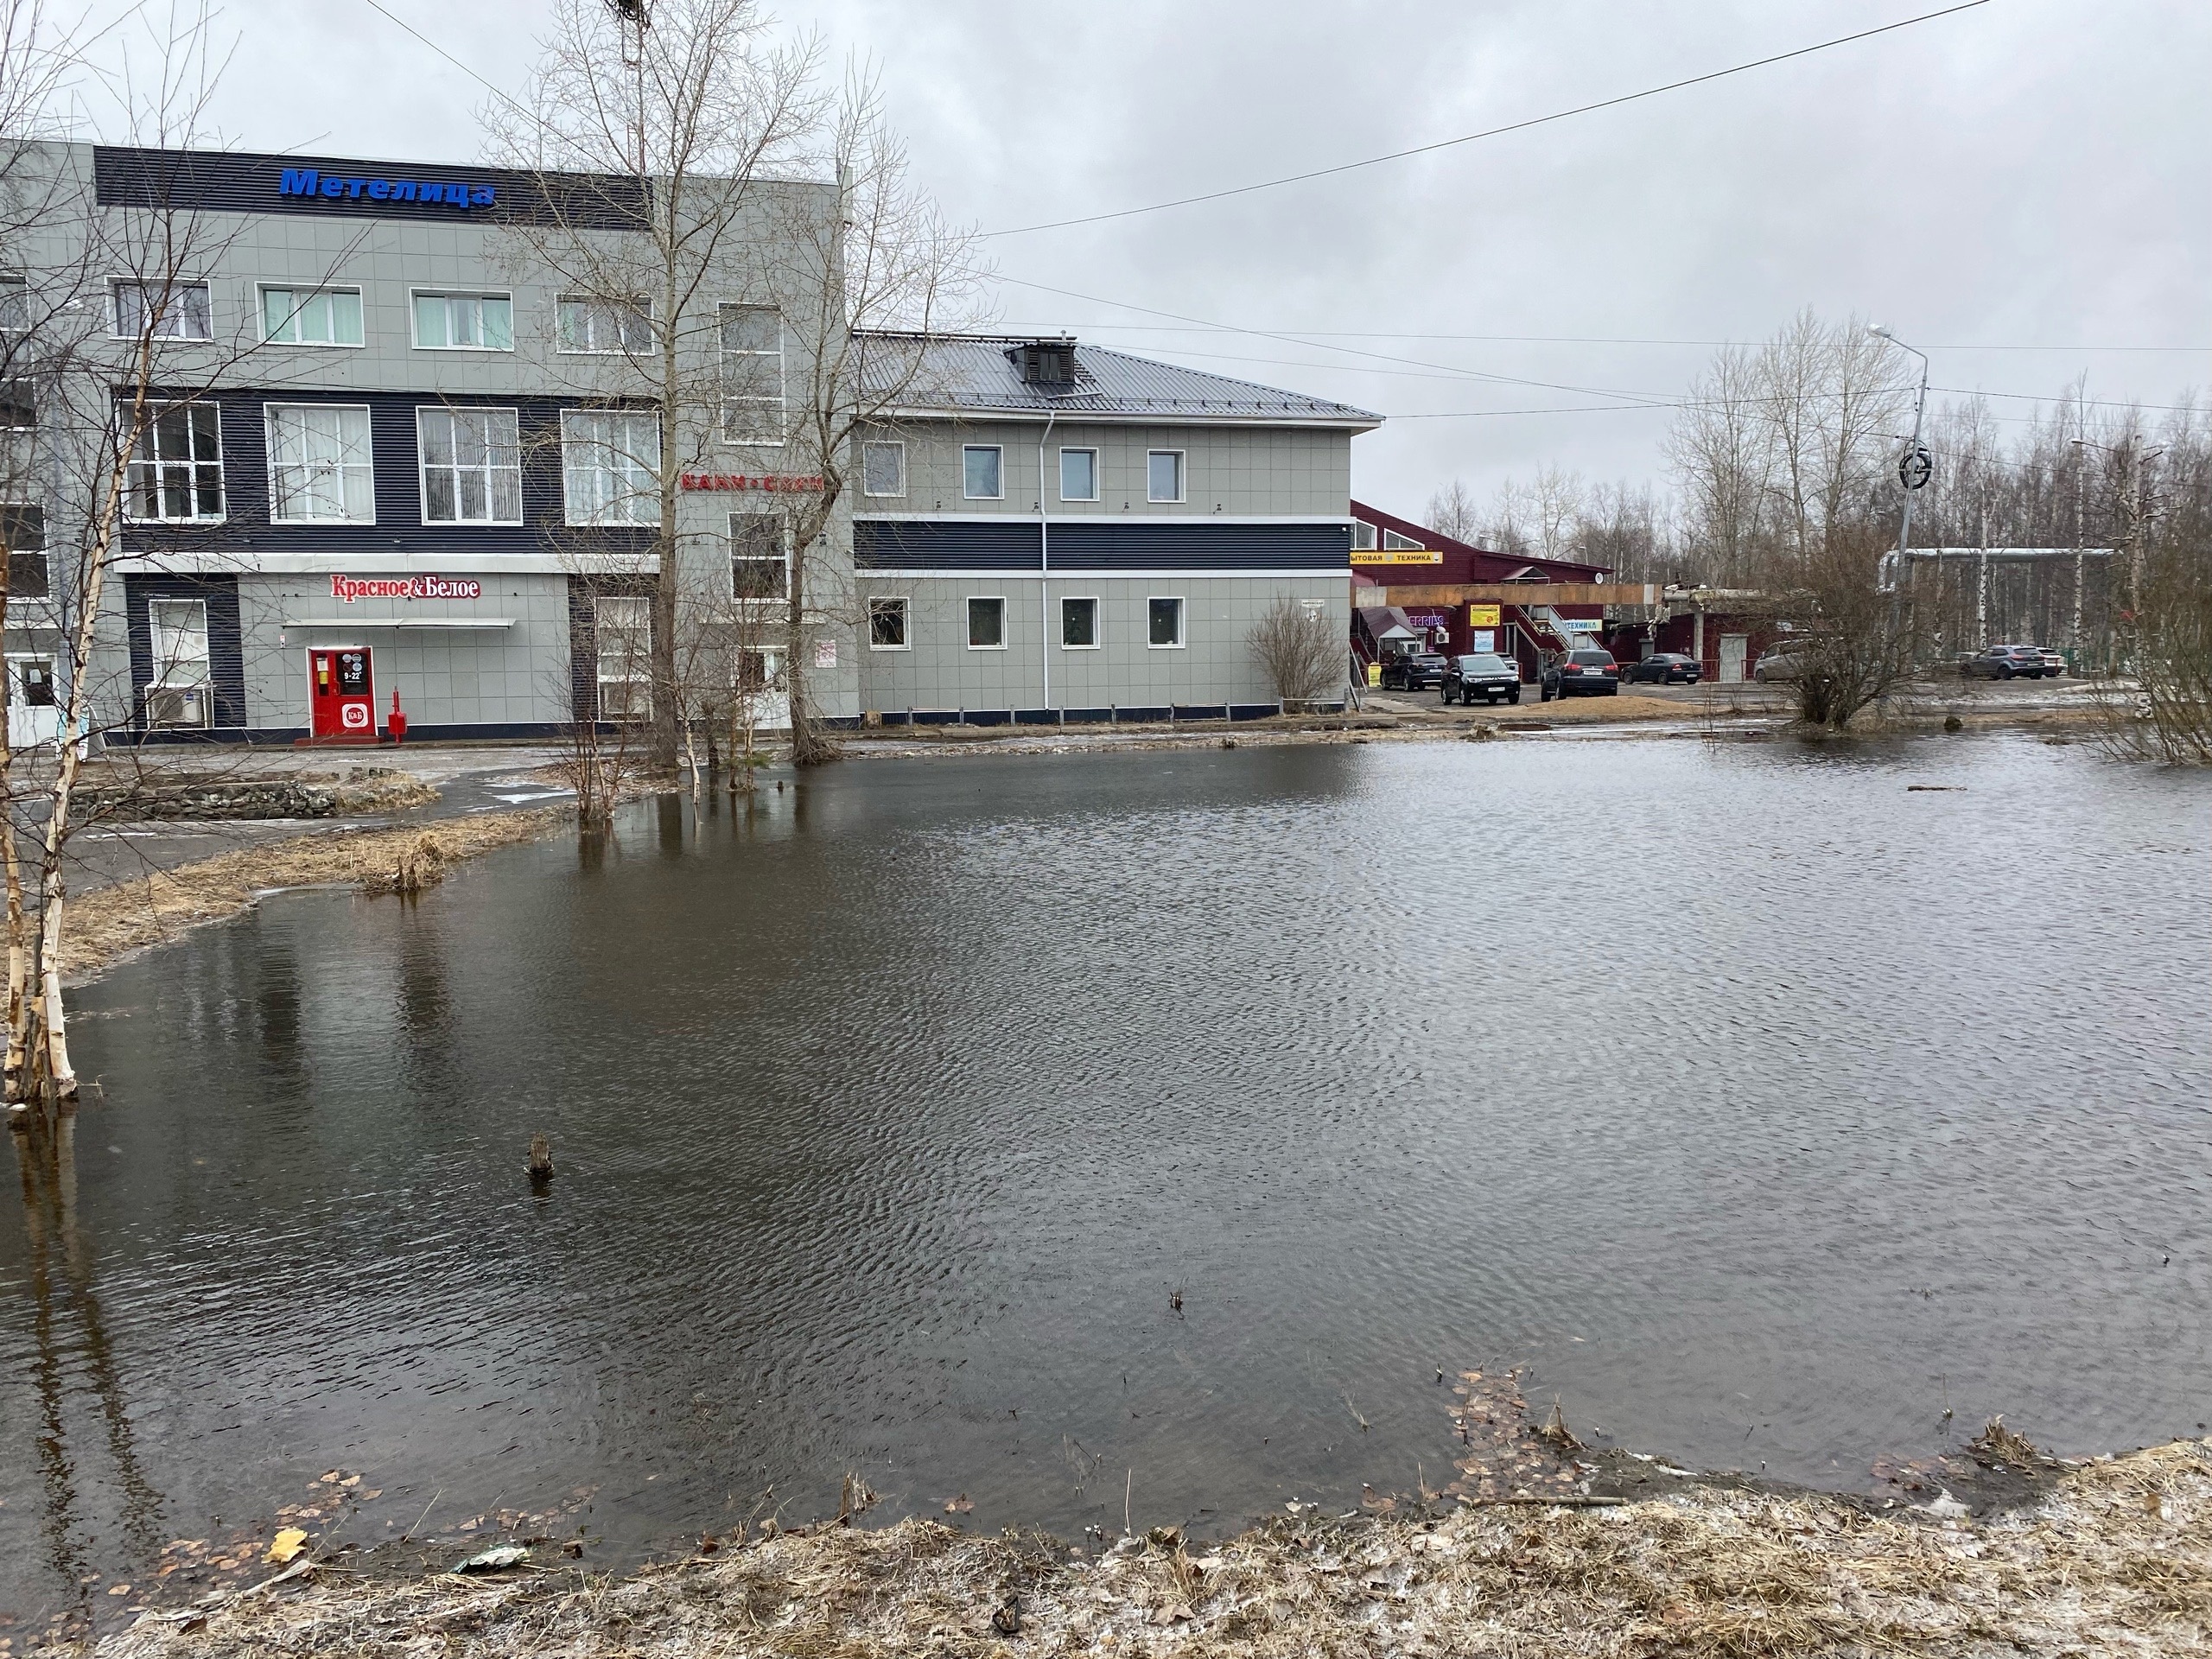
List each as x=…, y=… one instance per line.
x=2020, y=189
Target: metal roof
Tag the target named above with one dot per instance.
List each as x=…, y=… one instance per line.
x=955, y=373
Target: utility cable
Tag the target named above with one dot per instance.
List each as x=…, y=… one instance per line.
x=1489, y=132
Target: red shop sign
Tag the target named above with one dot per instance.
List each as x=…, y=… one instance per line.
x=350, y=588
x=747, y=481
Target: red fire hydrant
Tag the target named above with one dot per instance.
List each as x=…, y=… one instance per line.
x=396, y=727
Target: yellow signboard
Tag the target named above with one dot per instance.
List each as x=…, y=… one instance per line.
x=1397, y=555
x=1482, y=616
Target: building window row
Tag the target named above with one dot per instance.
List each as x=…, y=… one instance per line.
x=983, y=472
x=890, y=623
x=322, y=467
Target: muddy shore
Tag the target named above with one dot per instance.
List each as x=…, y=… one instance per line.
x=2109, y=1556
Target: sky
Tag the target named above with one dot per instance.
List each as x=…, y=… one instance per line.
x=2019, y=189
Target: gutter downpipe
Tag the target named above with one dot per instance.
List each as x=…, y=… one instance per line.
x=1045, y=564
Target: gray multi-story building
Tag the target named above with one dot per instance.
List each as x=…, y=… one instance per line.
x=396, y=454
x=1045, y=531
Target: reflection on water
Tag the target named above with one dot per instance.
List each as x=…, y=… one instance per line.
x=1761, y=1105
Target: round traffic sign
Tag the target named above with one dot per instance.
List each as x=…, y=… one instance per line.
x=1915, y=467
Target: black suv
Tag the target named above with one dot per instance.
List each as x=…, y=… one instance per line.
x=1489, y=677
x=1415, y=671
x=1585, y=672
x=1665, y=668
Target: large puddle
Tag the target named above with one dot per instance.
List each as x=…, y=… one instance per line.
x=1765, y=1106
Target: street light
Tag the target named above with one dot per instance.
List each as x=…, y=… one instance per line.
x=1915, y=467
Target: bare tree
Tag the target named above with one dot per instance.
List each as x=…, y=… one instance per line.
x=1299, y=649
x=1722, y=463
x=1454, y=511
x=1556, y=503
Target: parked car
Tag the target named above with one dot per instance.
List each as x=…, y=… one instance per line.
x=1784, y=662
x=1665, y=668
x=1584, y=671
x=2004, y=662
x=2054, y=664
x=1489, y=677
x=1413, y=671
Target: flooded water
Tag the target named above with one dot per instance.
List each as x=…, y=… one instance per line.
x=1761, y=1104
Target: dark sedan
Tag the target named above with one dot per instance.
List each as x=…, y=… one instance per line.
x=1490, y=677
x=1664, y=668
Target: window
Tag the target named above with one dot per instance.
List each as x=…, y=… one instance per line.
x=979, y=473
x=1166, y=621
x=610, y=466
x=323, y=316
x=1363, y=536
x=887, y=625
x=753, y=374
x=175, y=475
x=15, y=303
x=1164, y=475
x=760, y=555
x=883, y=468
x=23, y=532
x=319, y=467
x=162, y=311
x=1079, y=623
x=987, y=624
x=1397, y=543
x=758, y=671
x=31, y=681
x=624, y=630
x=464, y=322
x=178, y=634
x=472, y=466
x=588, y=324
x=1078, y=474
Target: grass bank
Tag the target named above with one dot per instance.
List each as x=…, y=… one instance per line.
x=112, y=922
x=2114, y=1557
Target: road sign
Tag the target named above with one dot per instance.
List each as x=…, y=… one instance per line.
x=1915, y=467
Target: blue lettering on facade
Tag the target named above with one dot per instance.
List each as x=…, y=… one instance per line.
x=307, y=182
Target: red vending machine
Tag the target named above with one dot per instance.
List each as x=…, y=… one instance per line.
x=342, y=699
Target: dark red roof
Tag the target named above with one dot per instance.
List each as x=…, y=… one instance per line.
x=1462, y=560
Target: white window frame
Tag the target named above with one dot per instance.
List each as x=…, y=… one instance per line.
x=222, y=478
x=783, y=594
x=906, y=609
x=967, y=619
x=781, y=401
x=1394, y=543
x=998, y=449
x=1182, y=622
x=268, y=417
x=1182, y=476
x=165, y=677
x=14, y=303
x=177, y=290
x=1097, y=620
x=569, y=443
x=1079, y=449
x=414, y=333
x=423, y=467
x=896, y=444
x=635, y=673
x=640, y=304
x=299, y=296
x=1363, y=536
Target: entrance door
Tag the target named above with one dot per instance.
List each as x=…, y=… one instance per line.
x=1731, y=657
x=342, y=693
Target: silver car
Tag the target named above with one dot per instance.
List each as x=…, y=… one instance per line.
x=2054, y=664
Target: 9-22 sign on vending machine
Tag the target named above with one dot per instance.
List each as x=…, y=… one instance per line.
x=342, y=693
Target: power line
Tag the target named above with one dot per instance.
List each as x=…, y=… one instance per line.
x=376, y=5
x=1555, y=340
x=1491, y=132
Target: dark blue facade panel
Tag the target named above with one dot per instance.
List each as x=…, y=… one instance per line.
x=393, y=450
x=240, y=181
x=1102, y=547
x=935, y=544
x=225, y=642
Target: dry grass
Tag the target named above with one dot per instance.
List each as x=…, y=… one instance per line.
x=2117, y=1560
x=112, y=922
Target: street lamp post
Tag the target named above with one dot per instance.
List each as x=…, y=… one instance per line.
x=1917, y=466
